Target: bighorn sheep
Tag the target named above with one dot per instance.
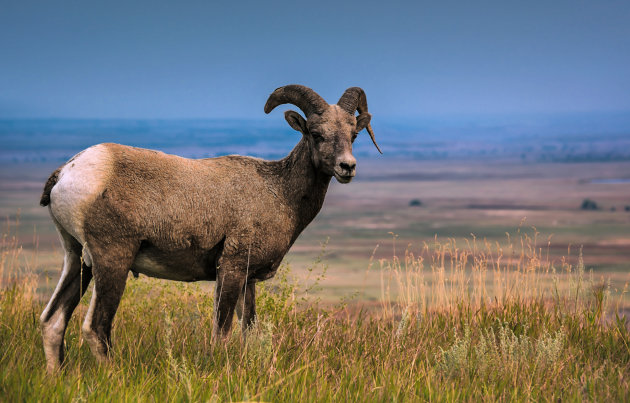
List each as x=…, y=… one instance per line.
x=230, y=219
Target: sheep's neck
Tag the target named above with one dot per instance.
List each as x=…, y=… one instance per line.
x=305, y=185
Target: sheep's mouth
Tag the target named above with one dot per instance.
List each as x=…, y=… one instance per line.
x=343, y=178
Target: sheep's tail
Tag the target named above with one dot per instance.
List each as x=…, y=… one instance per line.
x=50, y=183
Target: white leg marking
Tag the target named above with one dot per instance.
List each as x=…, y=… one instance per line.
x=52, y=334
x=53, y=320
x=89, y=334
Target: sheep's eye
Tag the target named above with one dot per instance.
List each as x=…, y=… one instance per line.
x=317, y=136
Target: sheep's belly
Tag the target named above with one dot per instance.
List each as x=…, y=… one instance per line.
x=174, y=268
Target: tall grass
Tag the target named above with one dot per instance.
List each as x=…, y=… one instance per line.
x=448, y=274
x=455, y=322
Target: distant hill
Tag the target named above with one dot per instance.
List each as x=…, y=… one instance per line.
x=570, y=138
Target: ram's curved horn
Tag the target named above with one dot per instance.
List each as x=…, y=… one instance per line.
x=354, y=100
x=303, y=97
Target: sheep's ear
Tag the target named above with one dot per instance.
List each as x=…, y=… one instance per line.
x=363, y=120
x=296, y=121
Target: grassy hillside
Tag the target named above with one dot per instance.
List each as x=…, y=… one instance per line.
x=466, y=323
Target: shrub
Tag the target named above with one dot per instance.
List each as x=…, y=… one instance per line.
x=415, y=203
x=501, y=352
x=588, y=204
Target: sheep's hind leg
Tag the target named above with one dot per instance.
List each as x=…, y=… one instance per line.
x=110, y=268
x=74, y=280
x=246, y=306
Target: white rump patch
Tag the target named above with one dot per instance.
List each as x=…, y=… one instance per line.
x=80, y=182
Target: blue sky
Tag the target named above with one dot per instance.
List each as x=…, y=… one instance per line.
x=204, y=59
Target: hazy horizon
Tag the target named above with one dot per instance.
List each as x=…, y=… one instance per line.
x=567, y=139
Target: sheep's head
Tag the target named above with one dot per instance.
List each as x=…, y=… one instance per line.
x=330, y=129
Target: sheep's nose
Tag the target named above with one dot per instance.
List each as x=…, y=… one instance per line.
x=348, y=166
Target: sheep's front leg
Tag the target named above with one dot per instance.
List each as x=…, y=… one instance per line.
x=246, y=305
x=229, y=285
